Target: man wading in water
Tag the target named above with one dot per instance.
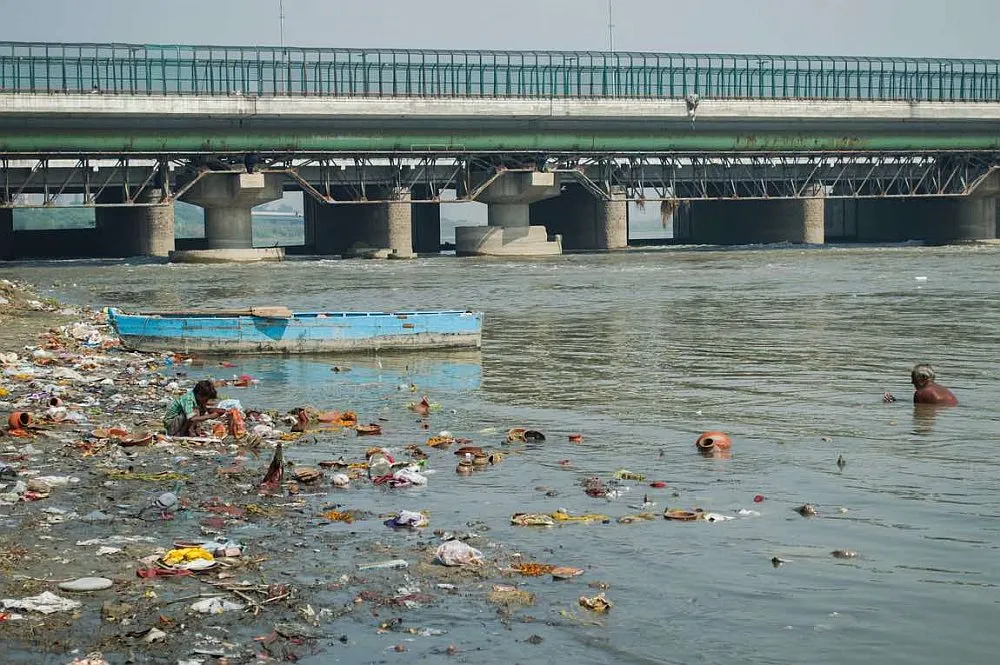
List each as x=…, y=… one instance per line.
x=927, y=391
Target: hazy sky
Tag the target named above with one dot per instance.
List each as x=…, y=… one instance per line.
x=966, y=28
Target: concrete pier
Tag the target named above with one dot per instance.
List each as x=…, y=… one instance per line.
x=799, y=221
x=509, y=231
x=376, y=230
x=6, y=234
x=139, y=230
x=584, y=221
x=933, y=220
x=228, y=199
x=426, y=221
x=392, y=225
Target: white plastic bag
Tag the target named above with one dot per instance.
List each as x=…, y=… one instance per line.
x=409, y=474
x=46, y=603
x=457, y=553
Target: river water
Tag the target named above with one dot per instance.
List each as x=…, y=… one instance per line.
x=788, y=350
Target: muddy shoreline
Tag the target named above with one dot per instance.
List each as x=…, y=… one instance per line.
x=73, y=511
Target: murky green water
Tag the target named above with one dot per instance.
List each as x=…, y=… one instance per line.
x=640, y=351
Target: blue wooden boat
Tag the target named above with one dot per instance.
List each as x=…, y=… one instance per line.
x=279, y=330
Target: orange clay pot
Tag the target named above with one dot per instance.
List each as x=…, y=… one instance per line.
x=19, y=420
x=710, y=441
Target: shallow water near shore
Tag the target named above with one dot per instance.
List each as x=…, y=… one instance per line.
x=640, y=351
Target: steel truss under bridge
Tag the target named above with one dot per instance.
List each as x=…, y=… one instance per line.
x=44, y=181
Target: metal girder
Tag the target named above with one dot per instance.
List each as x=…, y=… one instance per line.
x=362, y=178
x=740, y=176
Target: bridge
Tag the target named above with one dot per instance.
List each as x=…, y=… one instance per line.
x=734, y=148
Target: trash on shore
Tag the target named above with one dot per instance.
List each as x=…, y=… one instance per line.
x=85, y=584
x=457, y=553
x=384, y=565
x=44, y=603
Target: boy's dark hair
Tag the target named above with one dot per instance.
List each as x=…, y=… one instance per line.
x=206, y=389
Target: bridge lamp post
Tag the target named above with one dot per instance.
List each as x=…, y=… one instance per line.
x=611, y=48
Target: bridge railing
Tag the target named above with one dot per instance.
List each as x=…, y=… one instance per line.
x=270, y=71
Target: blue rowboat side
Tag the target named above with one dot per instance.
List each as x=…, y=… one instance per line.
x=303, y=332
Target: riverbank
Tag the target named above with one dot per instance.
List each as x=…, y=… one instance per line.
x=78, y=501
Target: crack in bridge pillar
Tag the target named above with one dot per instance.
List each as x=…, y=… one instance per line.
x=509, y=231
x=797, y=221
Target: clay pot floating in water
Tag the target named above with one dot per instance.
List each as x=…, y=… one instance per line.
x=679, y=515
x=710, y=442
x=470, y=450
x=19, y=420
x=658, y=484
x=306, y=474
x=576, y=438
x=370, y=429
x=806, y=510
x=464, y=468
x=481, y=461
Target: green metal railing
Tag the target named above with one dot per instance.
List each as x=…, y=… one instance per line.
x=270, y=71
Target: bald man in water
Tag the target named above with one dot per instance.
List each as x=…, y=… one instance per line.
x=927, y=391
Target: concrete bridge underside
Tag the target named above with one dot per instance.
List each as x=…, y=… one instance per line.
x=556, y=173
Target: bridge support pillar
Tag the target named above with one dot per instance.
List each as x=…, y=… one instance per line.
x=584, y=221
x=799, y=221
x=228, y=199
x=136, y=230
x=6, y=234
x=380, y=229
x=426, y=218
x=934, y=220
x=509, y=231
x=327, y=227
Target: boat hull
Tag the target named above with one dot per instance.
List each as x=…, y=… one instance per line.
x=306, y=332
